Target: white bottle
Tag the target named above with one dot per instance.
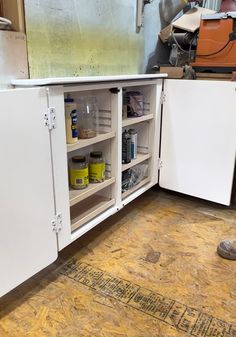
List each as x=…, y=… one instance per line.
x=71, y=121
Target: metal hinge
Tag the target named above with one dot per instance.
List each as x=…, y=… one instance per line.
x=57, y=223
x=160, y=164
x=163, y=97
x=50, y=118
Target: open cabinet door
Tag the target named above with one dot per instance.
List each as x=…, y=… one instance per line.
x=27, y=241
x=199, y=138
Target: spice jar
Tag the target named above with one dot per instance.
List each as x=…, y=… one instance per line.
x=96, y=167
x=78, y=172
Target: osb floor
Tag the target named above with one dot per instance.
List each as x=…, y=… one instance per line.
x=149, y=271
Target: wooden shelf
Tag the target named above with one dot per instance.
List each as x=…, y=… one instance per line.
x=86, y=142
x=88, y=209
x=136, y=120
x=79, y=195
x=136, y=187
x=140, y=158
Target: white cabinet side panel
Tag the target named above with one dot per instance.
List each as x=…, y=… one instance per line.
x=199, y=138
x=60, y=169
x=27, y=241
x=155, y=130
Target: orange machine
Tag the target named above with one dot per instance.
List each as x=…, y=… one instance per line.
x=216, y=46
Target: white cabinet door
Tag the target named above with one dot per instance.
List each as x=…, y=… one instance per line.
x=199, y=138
x=27, y=241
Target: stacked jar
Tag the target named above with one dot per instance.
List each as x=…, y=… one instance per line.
x=81, y=174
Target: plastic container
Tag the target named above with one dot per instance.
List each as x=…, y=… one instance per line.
x=134, y=103
x=87, y=115
x=96, y=167
x=78, y=170
x=71, y=120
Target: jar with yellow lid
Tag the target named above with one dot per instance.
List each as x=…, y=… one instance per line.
x=96, y=167
x=78, y=172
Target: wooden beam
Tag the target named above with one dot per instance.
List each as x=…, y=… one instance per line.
x=14, y=11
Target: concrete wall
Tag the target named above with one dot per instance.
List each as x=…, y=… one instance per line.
x=88, y=37
x=152, y=27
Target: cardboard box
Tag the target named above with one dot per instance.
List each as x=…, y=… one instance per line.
x=173, y=72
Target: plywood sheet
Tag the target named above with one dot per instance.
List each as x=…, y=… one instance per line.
x=190, y=21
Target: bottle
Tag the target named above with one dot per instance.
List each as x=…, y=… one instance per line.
x=96, y=167
x=134, y=143
x=126, y=147
x=71, y=120
x=78, y=171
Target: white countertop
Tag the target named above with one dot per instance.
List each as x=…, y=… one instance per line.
x=88, y=79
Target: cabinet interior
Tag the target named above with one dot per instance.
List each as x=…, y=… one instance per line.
x=139, y=169
x=90, y=202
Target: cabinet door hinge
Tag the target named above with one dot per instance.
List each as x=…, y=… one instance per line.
x=163, y=97
x=160, y=164
x=57, y=223
x=50, y=118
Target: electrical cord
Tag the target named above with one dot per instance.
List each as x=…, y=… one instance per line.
x=216, y=52
x=232, y=37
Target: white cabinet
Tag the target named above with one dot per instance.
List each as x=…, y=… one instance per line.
x=83, y=209
x=188, y=143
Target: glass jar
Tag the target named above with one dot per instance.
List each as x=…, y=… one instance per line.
x=96, y=167
x=78, y=172
x=87, y=116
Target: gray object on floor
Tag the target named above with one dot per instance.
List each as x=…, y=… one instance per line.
x=227, y=249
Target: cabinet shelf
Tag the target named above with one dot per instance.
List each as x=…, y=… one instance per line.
x=79, y=195
x=86, y=142
x=136, y=187
x=136, y=120
x=140, y=158
x=81, y=213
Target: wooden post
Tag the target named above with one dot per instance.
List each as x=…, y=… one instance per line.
x=14, y=11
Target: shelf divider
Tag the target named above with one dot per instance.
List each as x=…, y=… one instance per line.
x=136, y=120
x=136, y=187
x=82, y=213
x=86, y=142
x=140, y=158
x=79, y=195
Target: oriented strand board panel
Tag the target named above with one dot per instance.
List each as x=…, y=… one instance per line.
x=83, y=37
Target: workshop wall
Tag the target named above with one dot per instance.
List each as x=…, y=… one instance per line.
x=88, y=37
